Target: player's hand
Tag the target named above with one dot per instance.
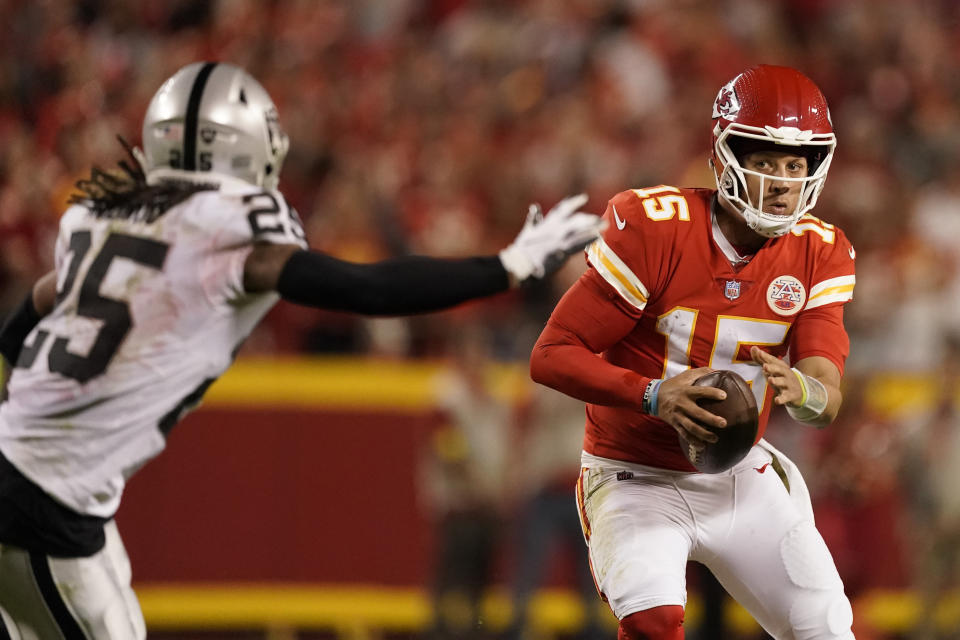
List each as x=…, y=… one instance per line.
x=786, y=387
x=677, y=406
x=545, y=242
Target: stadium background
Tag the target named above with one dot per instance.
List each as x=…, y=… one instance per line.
x=303, y=499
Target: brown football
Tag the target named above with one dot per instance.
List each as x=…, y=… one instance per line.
x=739, y=409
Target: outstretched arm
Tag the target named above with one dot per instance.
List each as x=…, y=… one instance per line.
x=417, y=284
x=399, y=286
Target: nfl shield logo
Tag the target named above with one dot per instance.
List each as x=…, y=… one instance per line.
x=732, y=289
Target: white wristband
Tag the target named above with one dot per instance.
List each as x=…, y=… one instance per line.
x=814, y=400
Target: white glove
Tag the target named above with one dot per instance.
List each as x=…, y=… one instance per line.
x=545, y=242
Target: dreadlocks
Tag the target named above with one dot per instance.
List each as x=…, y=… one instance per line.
x=123, y=193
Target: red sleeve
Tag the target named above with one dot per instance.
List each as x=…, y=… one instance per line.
x=588, y=320
x=820, y=332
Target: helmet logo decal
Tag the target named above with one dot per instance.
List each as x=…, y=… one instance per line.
x=208, y=134
x=727, y=104
x=786, y=295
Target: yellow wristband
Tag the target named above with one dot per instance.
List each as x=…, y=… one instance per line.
x=813, y=402
x=803, y=385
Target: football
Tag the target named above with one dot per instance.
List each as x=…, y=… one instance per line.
x=739, y=409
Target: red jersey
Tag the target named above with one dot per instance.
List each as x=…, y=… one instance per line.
x=663, y=262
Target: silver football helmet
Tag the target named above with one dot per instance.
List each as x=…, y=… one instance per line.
x=215, y=117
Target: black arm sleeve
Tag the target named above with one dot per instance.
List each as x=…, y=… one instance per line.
x=399, y=286
x=16, y=329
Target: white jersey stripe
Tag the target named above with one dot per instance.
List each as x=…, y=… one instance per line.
x=617, y=274
x=847, y=288
x=832, y=290
x=832, y=283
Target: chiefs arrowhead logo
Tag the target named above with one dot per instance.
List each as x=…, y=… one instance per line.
x=727, y=104
x=786, y=295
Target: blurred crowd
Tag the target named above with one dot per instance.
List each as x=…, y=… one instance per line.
x=427, y=126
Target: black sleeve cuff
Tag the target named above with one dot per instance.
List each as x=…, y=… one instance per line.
x=399, y=286
x=17, y=327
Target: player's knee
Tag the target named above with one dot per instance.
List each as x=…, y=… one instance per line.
x=659, y=623
x=825, y=615
x=819, y=609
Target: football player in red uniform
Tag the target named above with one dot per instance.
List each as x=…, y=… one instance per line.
x=684, y=281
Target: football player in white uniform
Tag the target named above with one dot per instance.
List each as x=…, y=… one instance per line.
x=162, y=270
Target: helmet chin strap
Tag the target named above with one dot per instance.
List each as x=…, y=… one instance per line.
x=753, y=218
x=767, y=231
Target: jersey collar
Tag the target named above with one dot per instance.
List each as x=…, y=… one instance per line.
x=735, y=259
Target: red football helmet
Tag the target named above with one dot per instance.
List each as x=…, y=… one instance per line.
x=763, y=107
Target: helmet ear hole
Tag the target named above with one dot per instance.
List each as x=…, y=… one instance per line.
x=268, y=169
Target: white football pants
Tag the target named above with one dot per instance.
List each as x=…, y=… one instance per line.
x=46, y=598
x=752, y=526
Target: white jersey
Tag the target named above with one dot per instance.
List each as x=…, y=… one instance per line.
x=147, y=316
